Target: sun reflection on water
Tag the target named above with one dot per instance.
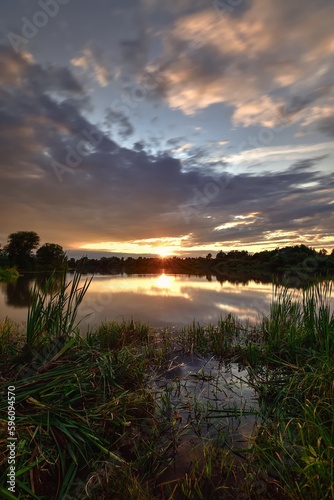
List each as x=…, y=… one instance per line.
x=164, y=281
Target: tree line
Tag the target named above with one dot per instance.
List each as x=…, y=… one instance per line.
x=19, y=252
x=308, y=260
x=23, y=250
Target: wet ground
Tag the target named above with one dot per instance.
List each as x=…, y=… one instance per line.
x=205, y=400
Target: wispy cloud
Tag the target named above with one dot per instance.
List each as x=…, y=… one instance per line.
x=94, y=63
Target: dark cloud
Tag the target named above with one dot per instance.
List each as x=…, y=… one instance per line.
x=139, y=146
x=125, y=128
x=175, y=141
x=238, y=8
x=326, y=125
x=302, y=165
x=134, y=52
x=298, y=103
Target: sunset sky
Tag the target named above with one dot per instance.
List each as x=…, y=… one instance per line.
x=183, y=127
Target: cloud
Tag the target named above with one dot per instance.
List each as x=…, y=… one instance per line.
x=255, y=111
x=118, y=118
x=97, y=64
x=114, y=194
x=298, y=103
x=326, y=125
x=287, y=153
x=17, y=66
x=253, y=61
x=12, y=67
x=175, y=141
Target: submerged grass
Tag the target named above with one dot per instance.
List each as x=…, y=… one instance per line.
x=9, y=273
x=101, y=417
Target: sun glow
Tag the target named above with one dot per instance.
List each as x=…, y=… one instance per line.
x=164, y=281
x=163, y=252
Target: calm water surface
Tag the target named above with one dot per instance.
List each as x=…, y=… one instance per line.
x=160, y=300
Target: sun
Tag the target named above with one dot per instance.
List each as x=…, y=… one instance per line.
x=163, y=252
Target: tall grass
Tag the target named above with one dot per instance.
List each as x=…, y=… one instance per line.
x=220, y=340
x=52, y=314
x=294, y=377
x=11, y=338
x=299, y=326
x=114, y=334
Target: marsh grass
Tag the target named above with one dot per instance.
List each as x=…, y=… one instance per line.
x=53, y=311
x=294, y=377
x=115, y=335
x=223, y=340
x=300, y=325
x=12, y=339
x=103, y=416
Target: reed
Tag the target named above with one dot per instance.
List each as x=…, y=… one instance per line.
x=52, y=314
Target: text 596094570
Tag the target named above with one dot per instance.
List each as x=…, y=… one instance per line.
x=11, y=475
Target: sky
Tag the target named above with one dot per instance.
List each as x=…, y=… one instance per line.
x=145, y=127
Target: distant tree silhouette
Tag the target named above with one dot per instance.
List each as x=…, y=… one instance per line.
x=20, y=246
x=220, y=255
x=51, y=256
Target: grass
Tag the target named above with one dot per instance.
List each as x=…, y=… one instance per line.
x=294, y=377
x=52, y=312
x=106, y=415
x=73, y=408
x=9, y=273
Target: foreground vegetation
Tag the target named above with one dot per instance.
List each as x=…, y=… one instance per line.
x=9, y=273
x=104, y=416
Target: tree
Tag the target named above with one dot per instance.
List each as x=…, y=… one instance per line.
x=20, y=246
x=220, y=255
x=3, y=257
x=51, y=256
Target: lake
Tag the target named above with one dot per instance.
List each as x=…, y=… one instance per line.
x=162, y=300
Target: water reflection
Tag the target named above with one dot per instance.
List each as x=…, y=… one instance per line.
x=206, y=399
x=160, y=300
x=171, y=300
x=15, y=296
x=17, y=293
